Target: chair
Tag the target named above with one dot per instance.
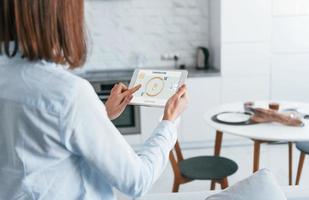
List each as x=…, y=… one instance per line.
x=213, y=168
x=303, y=147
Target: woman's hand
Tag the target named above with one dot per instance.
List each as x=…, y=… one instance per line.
x=119, y=98
x=176, y=104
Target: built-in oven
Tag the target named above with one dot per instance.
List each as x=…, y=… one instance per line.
x=129, y=121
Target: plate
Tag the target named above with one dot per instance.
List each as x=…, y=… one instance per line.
x=236, y=118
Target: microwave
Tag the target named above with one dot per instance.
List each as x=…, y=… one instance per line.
x=129, y=122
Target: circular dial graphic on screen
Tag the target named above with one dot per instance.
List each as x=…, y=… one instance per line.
x=154, y=86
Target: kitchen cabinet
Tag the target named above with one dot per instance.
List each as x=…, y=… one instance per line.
x=203, y=94
x=245, y=72
x=290, y=7
x=290, y=77
x=245, y=20
x=150, y=117
x=250, y=88
x=290, y=49
x=290, y=35
x=245, y=50
x=245, y=59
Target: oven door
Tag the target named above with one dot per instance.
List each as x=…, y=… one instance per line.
x=129, y=121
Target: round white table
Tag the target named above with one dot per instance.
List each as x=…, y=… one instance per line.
x=261, y=133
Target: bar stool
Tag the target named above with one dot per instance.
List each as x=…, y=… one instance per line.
x=213, y=168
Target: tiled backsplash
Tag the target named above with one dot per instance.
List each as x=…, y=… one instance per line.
x=131, y=33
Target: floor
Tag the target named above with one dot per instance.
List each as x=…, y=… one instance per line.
x=273, y=157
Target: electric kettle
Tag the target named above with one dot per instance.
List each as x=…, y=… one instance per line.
x=202, y=58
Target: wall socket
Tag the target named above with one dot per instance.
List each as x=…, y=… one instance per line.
x=170, y=56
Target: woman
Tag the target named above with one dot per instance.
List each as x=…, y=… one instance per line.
x=56, y=137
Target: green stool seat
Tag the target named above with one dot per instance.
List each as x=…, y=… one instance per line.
x=207, y=168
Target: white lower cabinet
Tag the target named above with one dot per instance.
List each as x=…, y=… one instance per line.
x=204, y=94
x=150, y=117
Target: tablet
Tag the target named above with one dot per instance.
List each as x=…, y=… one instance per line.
x=157, y=86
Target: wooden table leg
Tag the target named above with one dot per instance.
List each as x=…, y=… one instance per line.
x=300, y=167
x=256, y=158
x=256, y=155
x=290, y=163
x=218, y=144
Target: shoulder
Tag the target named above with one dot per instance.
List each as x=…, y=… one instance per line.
x=43, y=85
x=55, y=85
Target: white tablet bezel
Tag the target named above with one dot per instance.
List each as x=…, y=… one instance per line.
x=183, y=77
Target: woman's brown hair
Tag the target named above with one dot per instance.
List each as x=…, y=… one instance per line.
x=52, y=30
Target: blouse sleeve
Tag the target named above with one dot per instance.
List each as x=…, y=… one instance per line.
x=89, y=133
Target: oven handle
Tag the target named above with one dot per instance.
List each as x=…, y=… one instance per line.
x=103, y=97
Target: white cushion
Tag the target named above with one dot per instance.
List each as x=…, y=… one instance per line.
x=260, y=186
x=291, y=192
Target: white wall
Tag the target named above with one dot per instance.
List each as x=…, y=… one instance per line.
x=126, y=33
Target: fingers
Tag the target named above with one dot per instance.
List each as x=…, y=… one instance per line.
x=123, y=87
x=131, y=91
x=126, y=101
x=119, y=88
x=181, y=91
x=134, y=89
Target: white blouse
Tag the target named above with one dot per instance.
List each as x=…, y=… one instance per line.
x=57, y=142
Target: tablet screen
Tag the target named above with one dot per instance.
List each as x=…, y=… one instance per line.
x=157, y=86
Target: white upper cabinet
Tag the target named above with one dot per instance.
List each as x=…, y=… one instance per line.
x=290, y=77
x=290, y=50
x=245, y=49
x=290, y=34
x=245, y=59
x=290, y=26
x=246, y=20
x=290, y=7
x=246, y=88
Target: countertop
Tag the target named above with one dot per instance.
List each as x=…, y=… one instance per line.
x=126, y=74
